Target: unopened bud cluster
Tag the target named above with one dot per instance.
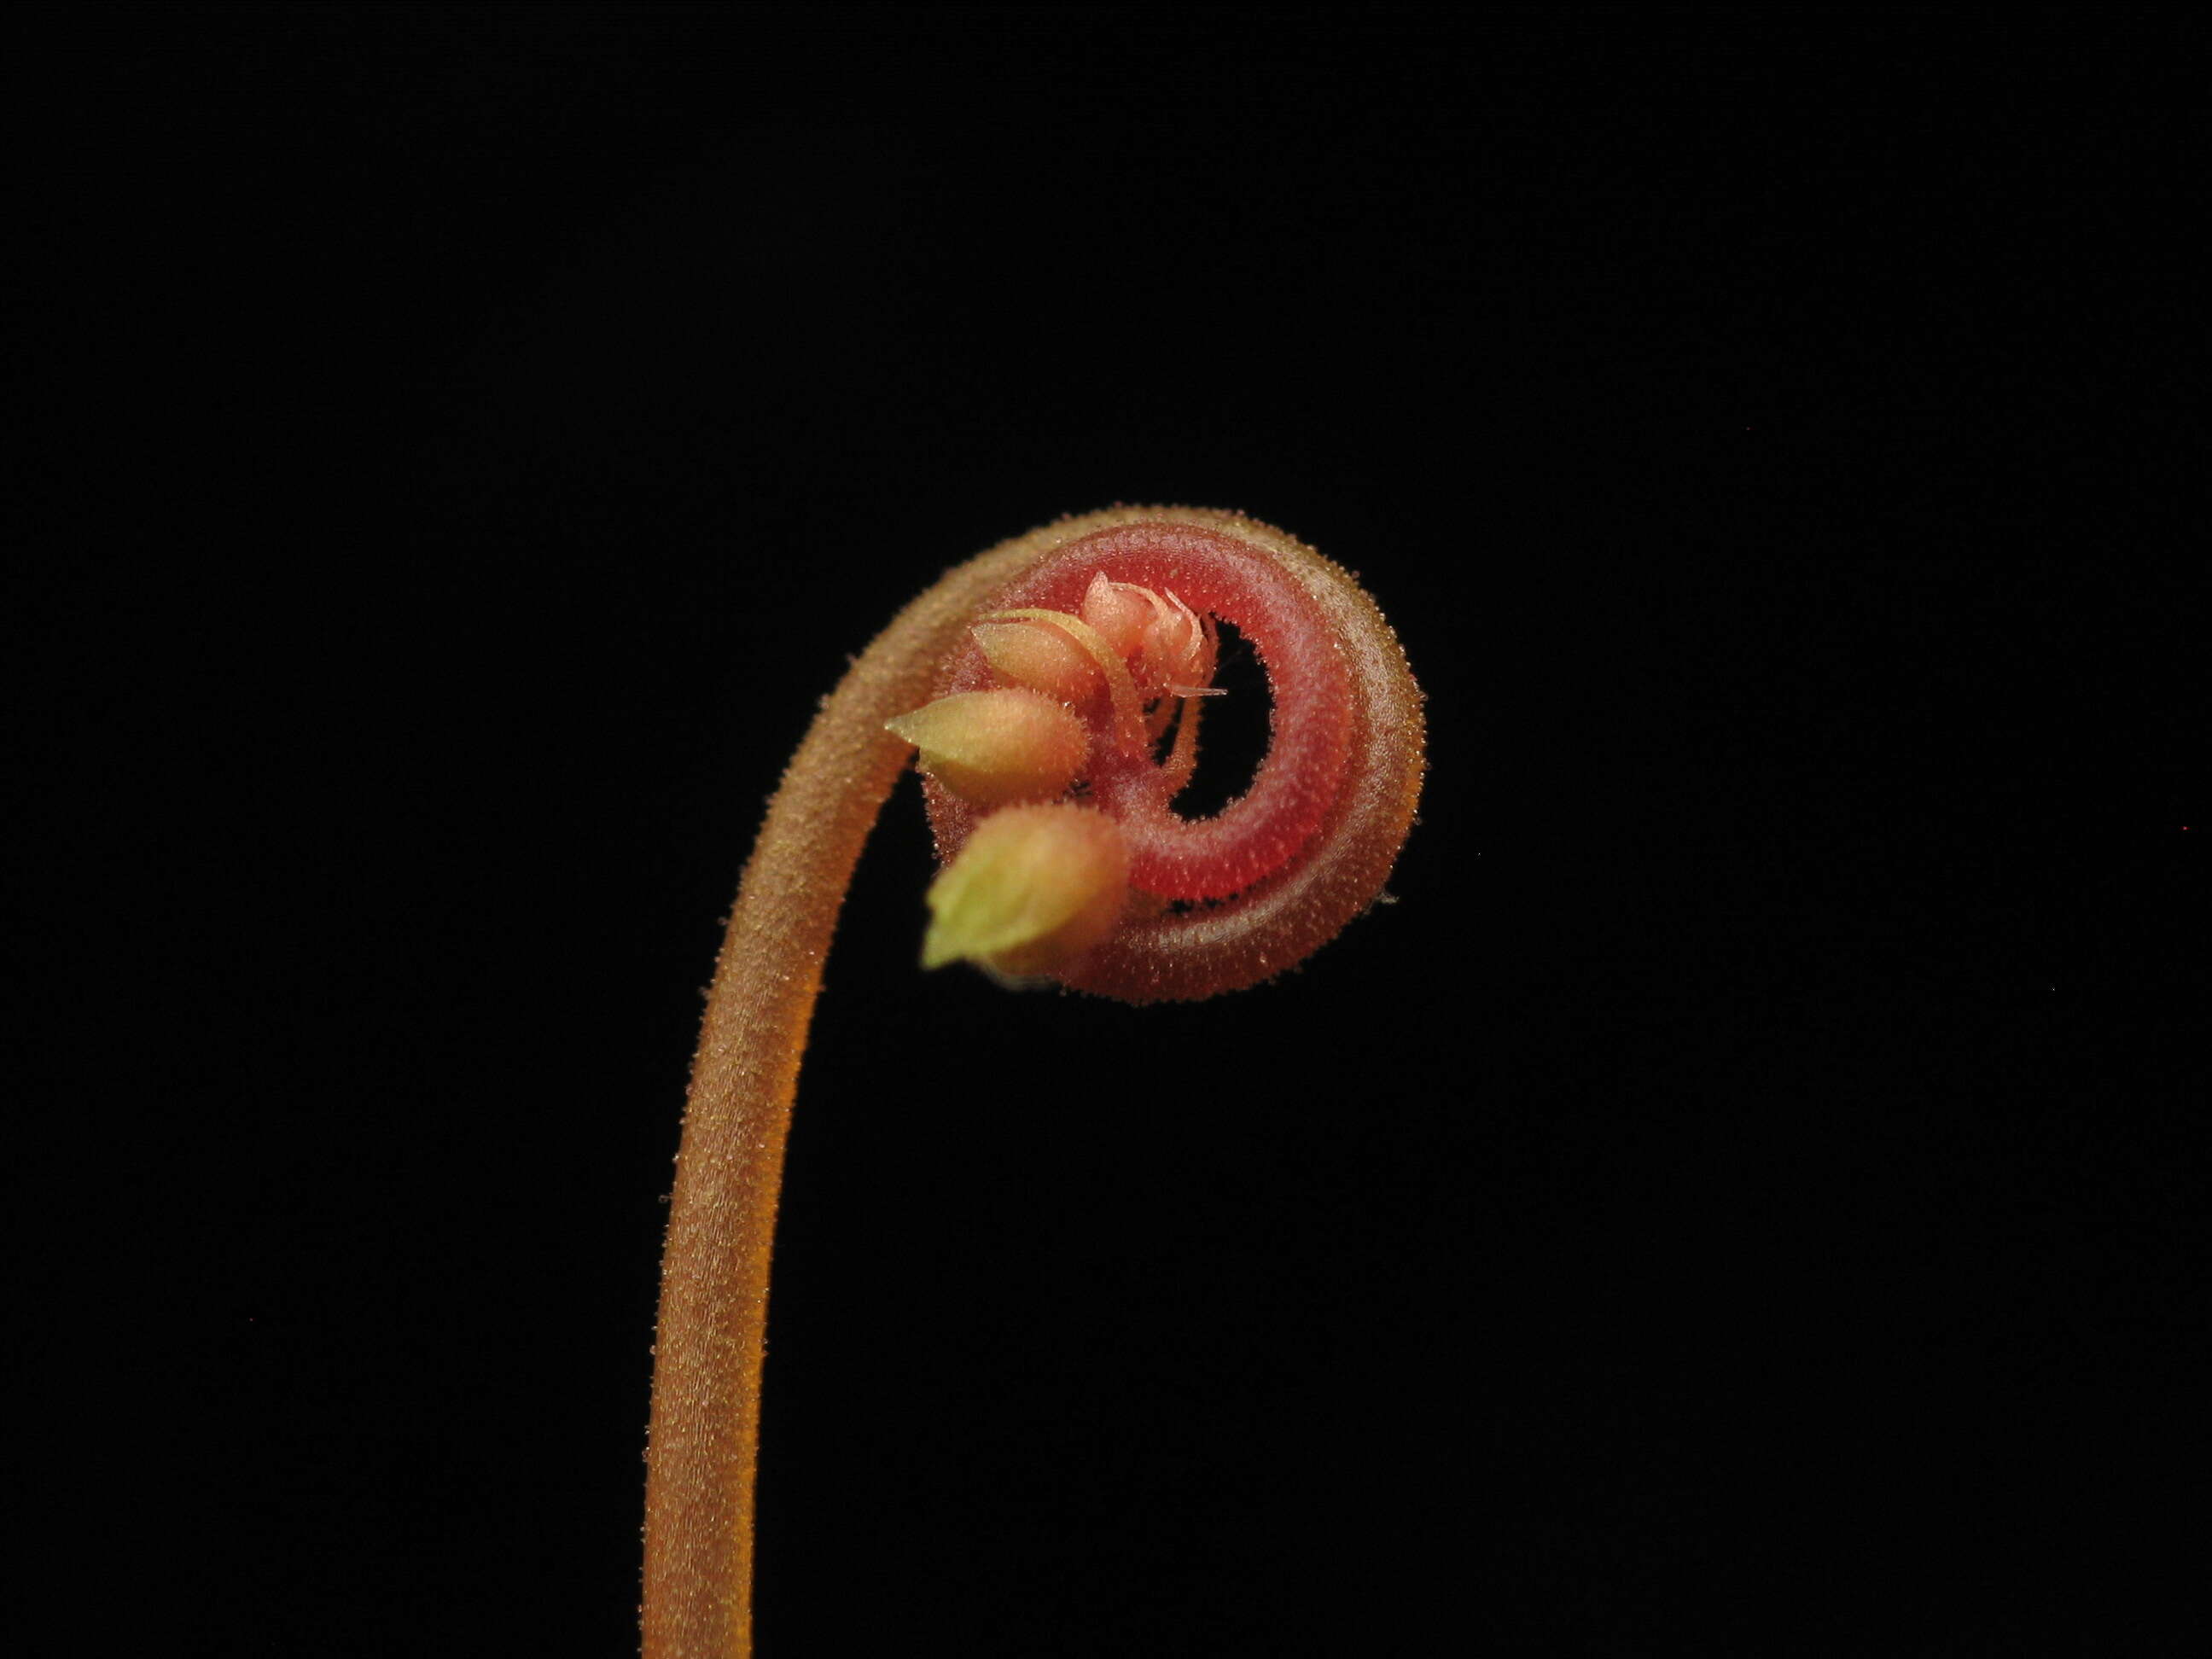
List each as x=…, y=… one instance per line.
x=1041, y=879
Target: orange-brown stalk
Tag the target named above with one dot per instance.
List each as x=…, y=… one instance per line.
x=706, y=1392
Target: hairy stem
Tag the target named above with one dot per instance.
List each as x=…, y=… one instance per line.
x=705, y=1393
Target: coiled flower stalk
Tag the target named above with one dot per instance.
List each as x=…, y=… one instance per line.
x=1040, y=683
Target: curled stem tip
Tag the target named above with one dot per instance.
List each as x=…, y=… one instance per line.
x=1036, y=681
x=1116, y=620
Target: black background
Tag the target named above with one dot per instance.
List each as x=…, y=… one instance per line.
x=1747, y=1196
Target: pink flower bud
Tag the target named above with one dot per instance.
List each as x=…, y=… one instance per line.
x=1177, y=653
x=1118, y=611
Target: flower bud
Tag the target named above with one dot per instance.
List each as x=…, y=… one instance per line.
x=1118, y=611
x=1033, y=889
x=991, y=747
x=1177, y=653
x=1041, y=657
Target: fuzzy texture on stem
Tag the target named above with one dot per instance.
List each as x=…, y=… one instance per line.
x=1307, y=850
